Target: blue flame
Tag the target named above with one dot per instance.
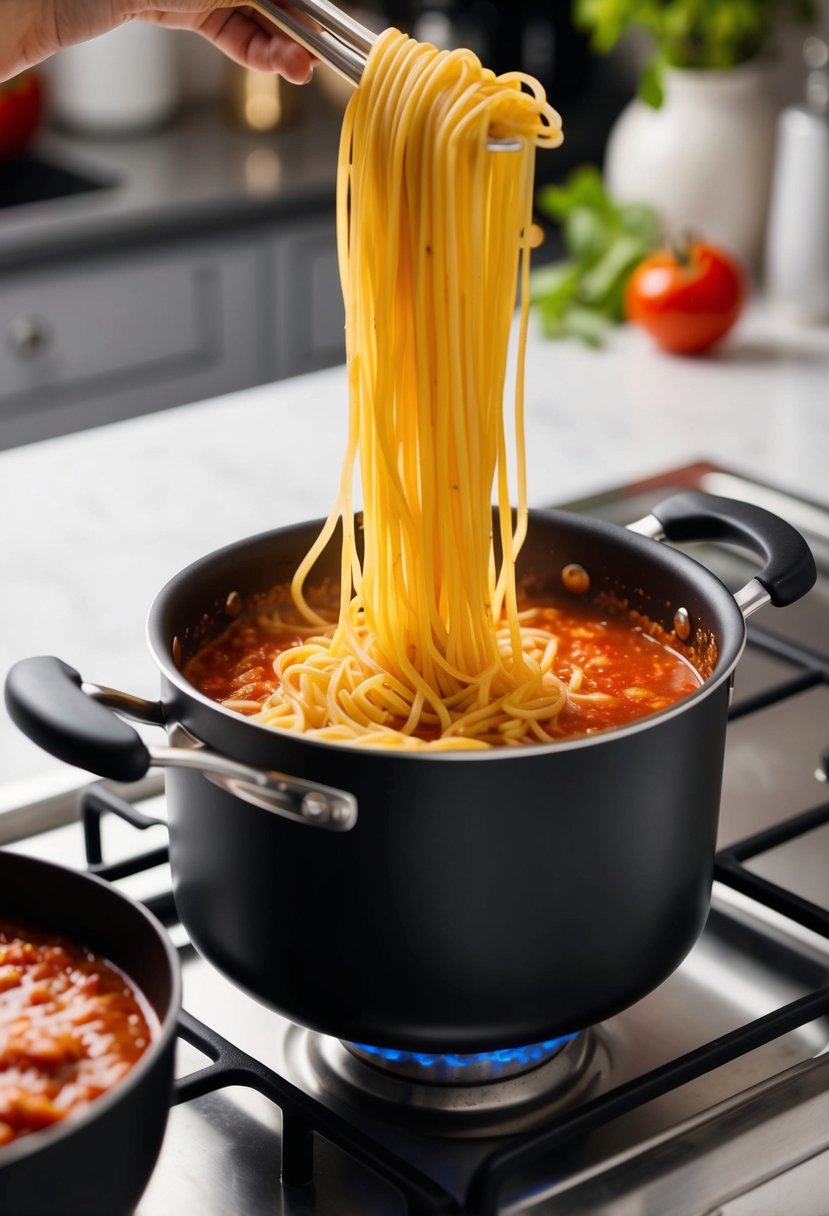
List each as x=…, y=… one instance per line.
x=507, y=1056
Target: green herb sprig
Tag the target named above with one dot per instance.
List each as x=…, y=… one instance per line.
x=689, y=33
x=605, y=242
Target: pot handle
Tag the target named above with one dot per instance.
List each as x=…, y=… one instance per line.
x=46, y=700
x=75, y=721
x=790, y=569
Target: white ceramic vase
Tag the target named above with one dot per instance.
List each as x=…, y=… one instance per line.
x=704, y=159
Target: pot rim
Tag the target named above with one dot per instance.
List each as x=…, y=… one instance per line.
x=162, y=654
x=34, y=1142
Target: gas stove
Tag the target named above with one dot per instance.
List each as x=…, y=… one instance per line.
x=710, y=1097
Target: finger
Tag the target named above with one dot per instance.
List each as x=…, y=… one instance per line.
x=255, y=45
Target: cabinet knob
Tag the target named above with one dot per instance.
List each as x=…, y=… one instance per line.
x=29, y=336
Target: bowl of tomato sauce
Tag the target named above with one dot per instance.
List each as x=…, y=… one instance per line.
x=89, y=996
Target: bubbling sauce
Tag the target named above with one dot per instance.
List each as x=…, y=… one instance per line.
x=71, y=1027
x=617, y=668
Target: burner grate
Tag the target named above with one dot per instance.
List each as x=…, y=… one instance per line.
x=303, y=1115
x=492, y=1176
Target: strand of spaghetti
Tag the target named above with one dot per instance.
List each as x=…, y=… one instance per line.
x=393, y=600
x=433, y=235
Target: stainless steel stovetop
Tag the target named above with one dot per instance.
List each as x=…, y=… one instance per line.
x=708, y=1098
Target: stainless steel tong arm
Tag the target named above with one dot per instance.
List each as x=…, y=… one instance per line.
x=337, y=39
x=324, y=30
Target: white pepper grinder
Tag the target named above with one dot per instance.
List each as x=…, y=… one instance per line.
x=797, y=247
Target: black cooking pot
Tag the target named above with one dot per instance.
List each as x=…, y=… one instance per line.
x=458, y=901
x=97, y=1161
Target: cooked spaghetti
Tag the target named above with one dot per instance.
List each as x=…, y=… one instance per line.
x=618, y=666
x=434, y=231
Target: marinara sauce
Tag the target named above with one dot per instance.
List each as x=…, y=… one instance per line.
x=624, y=668
x=71, y=1026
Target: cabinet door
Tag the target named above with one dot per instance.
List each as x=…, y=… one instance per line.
x=309, y=306
x=82, y=345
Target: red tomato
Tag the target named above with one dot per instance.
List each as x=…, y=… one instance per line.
x=21, y=102
x=686, y=300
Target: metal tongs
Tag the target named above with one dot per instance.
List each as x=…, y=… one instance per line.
x=337, y=40
x=324, y=30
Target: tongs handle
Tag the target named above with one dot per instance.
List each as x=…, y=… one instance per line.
x=338, y=40
x=325, y=30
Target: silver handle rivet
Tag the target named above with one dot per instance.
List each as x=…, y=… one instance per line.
x=316, y=807
x=682, y=624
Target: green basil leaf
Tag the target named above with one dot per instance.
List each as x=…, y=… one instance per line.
x=588, y=234
x=641, y=221
x=597, y=286
x=651, y=90
x=584, y=188
x=551, y=284
x=585, y=324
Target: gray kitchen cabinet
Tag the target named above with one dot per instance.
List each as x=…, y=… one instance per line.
x=199, y=259
x=126, y=334
x=308, y=313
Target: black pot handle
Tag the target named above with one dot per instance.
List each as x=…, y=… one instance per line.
x=789, y=571
x=46, y=700
x=75, y=721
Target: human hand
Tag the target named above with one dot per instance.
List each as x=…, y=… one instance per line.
x=35, y=29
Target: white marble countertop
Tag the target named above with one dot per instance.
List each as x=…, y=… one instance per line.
x=95, y=523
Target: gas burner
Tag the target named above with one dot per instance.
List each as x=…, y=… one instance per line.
x=454, y=1068
x=456, y=1095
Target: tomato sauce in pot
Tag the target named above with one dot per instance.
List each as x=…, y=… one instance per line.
x=71, y=1027
x=619, y=668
